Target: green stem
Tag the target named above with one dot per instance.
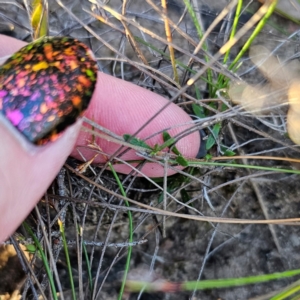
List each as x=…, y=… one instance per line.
x=44, y=259
x=256, y=31
x=62, y=231
x=130, y=232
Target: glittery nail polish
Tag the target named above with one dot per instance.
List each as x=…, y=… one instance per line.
x=46, y=86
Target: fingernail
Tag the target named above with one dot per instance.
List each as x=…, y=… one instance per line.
x=46, y=86
x=13, y=138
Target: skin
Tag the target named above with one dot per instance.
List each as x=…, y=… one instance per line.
x=26, y=171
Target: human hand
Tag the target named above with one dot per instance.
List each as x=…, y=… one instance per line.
x=26, y=170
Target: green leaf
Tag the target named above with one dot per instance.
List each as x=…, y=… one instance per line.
x=135, y=141
x=210, y=142
x=155, y=149
x=208, y=157
x=182, y=161
x=168, y=141
x=184, y=196
x=31, y=248
x=211, y=138
x=198, y=111
x=229, y=152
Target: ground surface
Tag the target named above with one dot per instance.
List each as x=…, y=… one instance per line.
x=190, y=250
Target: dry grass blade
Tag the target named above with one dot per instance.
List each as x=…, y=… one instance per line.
x=213, y=219
x=169, y=39
x=158, y=211
x=39, y=18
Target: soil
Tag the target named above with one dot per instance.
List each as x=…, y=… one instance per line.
x=189, y=250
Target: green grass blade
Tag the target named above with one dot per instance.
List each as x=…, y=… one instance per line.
x=221, y=83
x=231, y=282
x=295, y=287
x=135, y=286
x=62, y=231
x=234, y=26
x=44, y=259
x=130, y=233
x=234, y=165
x=289, y=10
x=205, y=46
x=39, y=18
x=88, y=265
x=256, y=31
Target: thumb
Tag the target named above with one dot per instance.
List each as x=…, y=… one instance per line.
x=26, y=171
